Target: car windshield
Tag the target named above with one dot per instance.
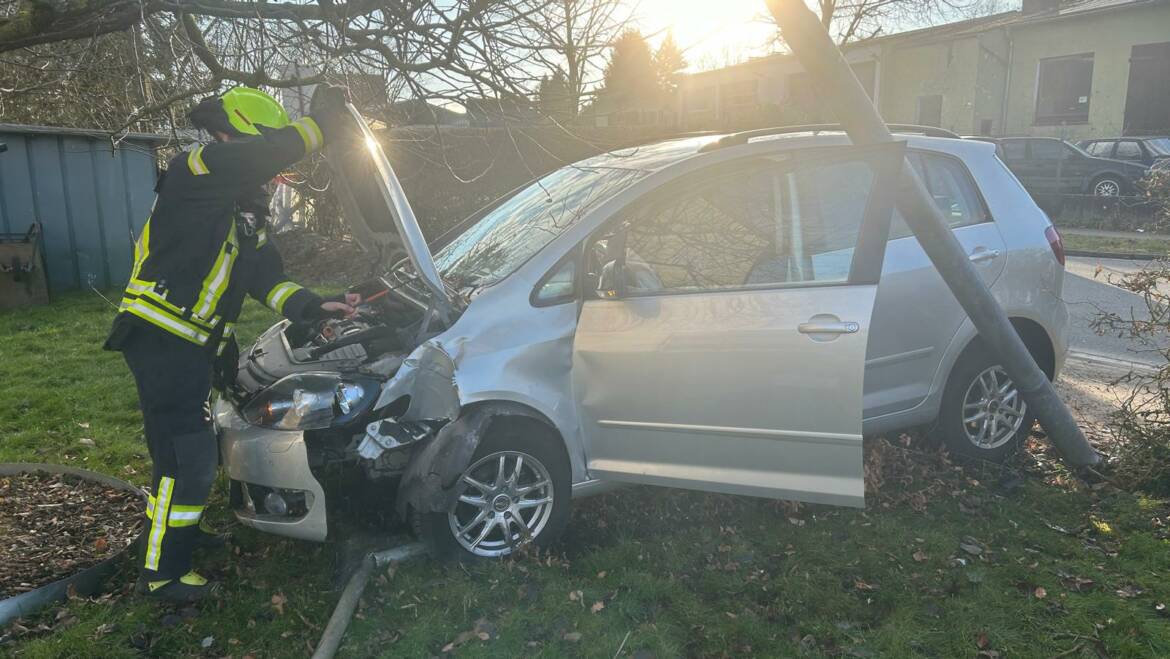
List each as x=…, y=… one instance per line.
x=520, y=226
x=1160, y=146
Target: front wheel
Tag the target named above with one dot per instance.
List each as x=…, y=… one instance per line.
x=516, y=491
x=983, y=415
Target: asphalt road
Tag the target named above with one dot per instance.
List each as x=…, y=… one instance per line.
x=1089, y=293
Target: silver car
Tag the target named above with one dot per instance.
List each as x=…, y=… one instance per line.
x=727, y=314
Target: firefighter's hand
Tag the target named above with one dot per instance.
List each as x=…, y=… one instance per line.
x=328, y=108
x=340, y=309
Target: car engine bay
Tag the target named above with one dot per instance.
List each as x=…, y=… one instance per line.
x=324, y=377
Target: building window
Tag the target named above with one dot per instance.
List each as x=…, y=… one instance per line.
x=1148, y=95
x=930, y=110
x=740, y=94
x=700, y=100
x=1063, y=90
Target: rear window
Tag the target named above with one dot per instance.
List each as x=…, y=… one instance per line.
x=952, y=189
x=1160, y=146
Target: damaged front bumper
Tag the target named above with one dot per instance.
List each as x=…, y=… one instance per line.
x=273, y=489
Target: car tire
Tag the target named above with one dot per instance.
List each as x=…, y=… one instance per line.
x=976, y=423
x=1107, y=186
x=541, y=459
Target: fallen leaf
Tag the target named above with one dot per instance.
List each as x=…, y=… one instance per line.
x=572, y=637
x=464, y=637
x=919, y=556
x=101, y=544
x=1078, y=584
x=278, y=602
x=1040, y=593
x=207, y=642
x=597, y=606
x=861, y=585
x=1129, y=592
x=601, y=575
x=971, y=548
x=103, y=629
x=85, y=441
x=982, y=641
x=575, y=595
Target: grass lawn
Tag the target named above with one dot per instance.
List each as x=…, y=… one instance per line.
x=1109, y=244
x=945, y=563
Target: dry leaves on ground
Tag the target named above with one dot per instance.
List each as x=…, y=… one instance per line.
x=55, y=526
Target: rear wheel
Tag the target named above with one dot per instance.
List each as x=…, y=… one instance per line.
x=983, y=415
x=515, y=492
x=1107, y=186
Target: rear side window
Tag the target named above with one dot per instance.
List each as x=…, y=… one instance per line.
x=1047, y=150
x=952, y=189
x=1128, y=150
x=1099, y=149
x=1014, y=149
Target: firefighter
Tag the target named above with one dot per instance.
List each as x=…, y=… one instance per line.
x=203, y=248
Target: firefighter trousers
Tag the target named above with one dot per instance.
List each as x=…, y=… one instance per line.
x=174, y=382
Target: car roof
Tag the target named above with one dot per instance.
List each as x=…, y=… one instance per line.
x=950, y=145
x=661, y=155
x=649, y=157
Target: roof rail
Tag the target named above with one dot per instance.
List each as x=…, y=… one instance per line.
x=736, y=139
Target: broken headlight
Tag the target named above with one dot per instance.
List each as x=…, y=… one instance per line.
x=310, y=401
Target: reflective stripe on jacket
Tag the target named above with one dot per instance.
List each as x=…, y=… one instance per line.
x=198, y=256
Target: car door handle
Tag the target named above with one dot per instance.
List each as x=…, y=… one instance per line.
x=828, y=328
x=981, y=255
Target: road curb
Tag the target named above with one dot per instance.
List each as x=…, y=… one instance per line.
x=1115, y=255
x=1093, y=358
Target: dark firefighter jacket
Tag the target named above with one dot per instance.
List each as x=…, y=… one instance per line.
x=205, y=247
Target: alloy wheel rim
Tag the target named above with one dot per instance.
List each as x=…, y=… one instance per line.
x=993, y=409
x=1106, y=189
x=504, y=500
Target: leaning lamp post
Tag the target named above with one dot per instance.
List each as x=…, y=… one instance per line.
x=821, y=58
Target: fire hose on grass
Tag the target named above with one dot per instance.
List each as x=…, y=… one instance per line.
x=338, y=622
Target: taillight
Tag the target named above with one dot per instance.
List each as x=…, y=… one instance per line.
x=1055, y=242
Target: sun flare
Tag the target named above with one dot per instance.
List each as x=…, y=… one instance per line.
x=711, y=33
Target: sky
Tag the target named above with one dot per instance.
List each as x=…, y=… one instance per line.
x=712, y=32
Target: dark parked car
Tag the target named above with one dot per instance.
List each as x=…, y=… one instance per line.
x=1148, y=151
x=1051, y=169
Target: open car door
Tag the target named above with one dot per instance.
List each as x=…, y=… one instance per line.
x=721, y=344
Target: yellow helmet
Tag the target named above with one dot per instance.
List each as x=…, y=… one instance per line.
x=246, y=108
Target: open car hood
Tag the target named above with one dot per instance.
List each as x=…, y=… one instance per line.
x=375, y=205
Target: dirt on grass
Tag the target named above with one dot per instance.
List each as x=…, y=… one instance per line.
x=54, y=526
